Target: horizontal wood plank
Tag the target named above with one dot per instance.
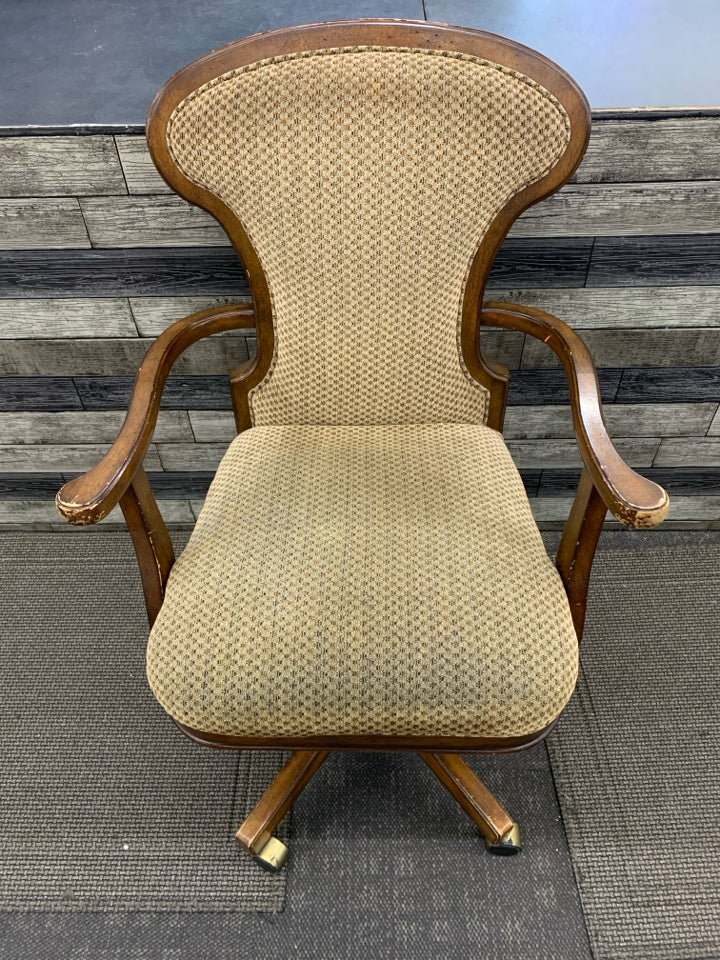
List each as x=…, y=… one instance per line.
x=704, y=509
x=637, y=348
x=213, y=426
x=181, y=484
x=149, y=221
x=50, y=319
x=549, y=385
x=217, y=271
x=155, y=314
x=541, y=454
x=114, y=357
x=191, y=456
x=30, y=486
x=627, y=151
x=678, y=481
x=140, y=172
x=674, y=384
x=82, y=426
x=589, y=210
x=623, y=420
x=679, y=260
x=41, y=224
x=21, y=512
x=714, y=430
x=38, y=393
x=59, y=167
x=618, y=308
x=623, y=209
x=123, y=273
x=180, y=393
x=689, y=452
x=61, y=458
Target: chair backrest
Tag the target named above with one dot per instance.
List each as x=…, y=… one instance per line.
x=367, y=173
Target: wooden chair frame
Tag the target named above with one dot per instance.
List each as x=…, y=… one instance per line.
x=607, y=482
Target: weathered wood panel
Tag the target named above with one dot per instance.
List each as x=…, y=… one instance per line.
x=85, y=427
x=678, y=481
x=30, y=486
x=59, y=167
x=702, y=509
x=668, y=385
x=180, y=393
x=550, y=385
x=37, y=512
x=141, y=175
x=41, y=224
x=49, y=319
x=627, y=151
x=149, y=221
x=181, y=484
x=637, y=348
x=212, y=426
x=546, y=422
x=191, y=456
x=714, y=430
x=114, y=357
x=155, y=314
x=546, y=386
x=622, y=307
x=620, y=151
x=623, y=209
x=539, y=454
x=123, y=273
x=217, y=271
x=61, y=458
x=655, y=261
x=689, y=452
x=38, y=393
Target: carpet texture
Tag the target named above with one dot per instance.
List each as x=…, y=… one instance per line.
x=636, y=758
x=105, y=805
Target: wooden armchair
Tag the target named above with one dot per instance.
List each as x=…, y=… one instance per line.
x=366, y=573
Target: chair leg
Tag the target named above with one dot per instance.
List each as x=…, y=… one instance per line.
x=255, y=834
x=502, y=834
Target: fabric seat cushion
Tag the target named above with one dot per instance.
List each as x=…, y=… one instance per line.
x=361, y=580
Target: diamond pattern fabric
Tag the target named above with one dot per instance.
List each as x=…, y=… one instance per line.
x=366, y=179
x=384, y=579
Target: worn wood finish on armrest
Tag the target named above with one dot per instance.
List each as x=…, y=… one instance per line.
x=633, y=499
x=91, y=497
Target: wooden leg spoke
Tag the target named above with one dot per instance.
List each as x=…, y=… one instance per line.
x=255, y=834
x=501, y=832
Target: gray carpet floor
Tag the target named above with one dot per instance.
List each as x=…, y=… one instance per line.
x=105, y=805
x=384, y=864
x=636, y=756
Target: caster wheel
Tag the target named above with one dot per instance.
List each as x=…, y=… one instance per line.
x=273, y=855
x=508, y=844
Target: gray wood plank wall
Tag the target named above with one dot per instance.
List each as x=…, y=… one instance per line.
x=632, y=261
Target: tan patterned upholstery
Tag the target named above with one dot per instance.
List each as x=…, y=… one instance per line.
x=365, y=580
x=366, y=178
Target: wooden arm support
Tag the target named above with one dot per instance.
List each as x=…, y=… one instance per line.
x=120, y=476
x=91, y=497
x=633, y=499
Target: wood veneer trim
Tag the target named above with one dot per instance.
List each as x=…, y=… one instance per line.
x=634, y=500
x=92, y=496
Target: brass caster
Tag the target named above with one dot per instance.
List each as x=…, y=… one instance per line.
x=273, y=855
x=508, y=844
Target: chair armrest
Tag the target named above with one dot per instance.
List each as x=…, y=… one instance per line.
x=633, y=499
x=92, y=496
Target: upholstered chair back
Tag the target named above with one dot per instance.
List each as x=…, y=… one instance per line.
x=365, y=178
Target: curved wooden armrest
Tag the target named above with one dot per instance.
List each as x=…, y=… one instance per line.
x=633, y=499
x=91, y=497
